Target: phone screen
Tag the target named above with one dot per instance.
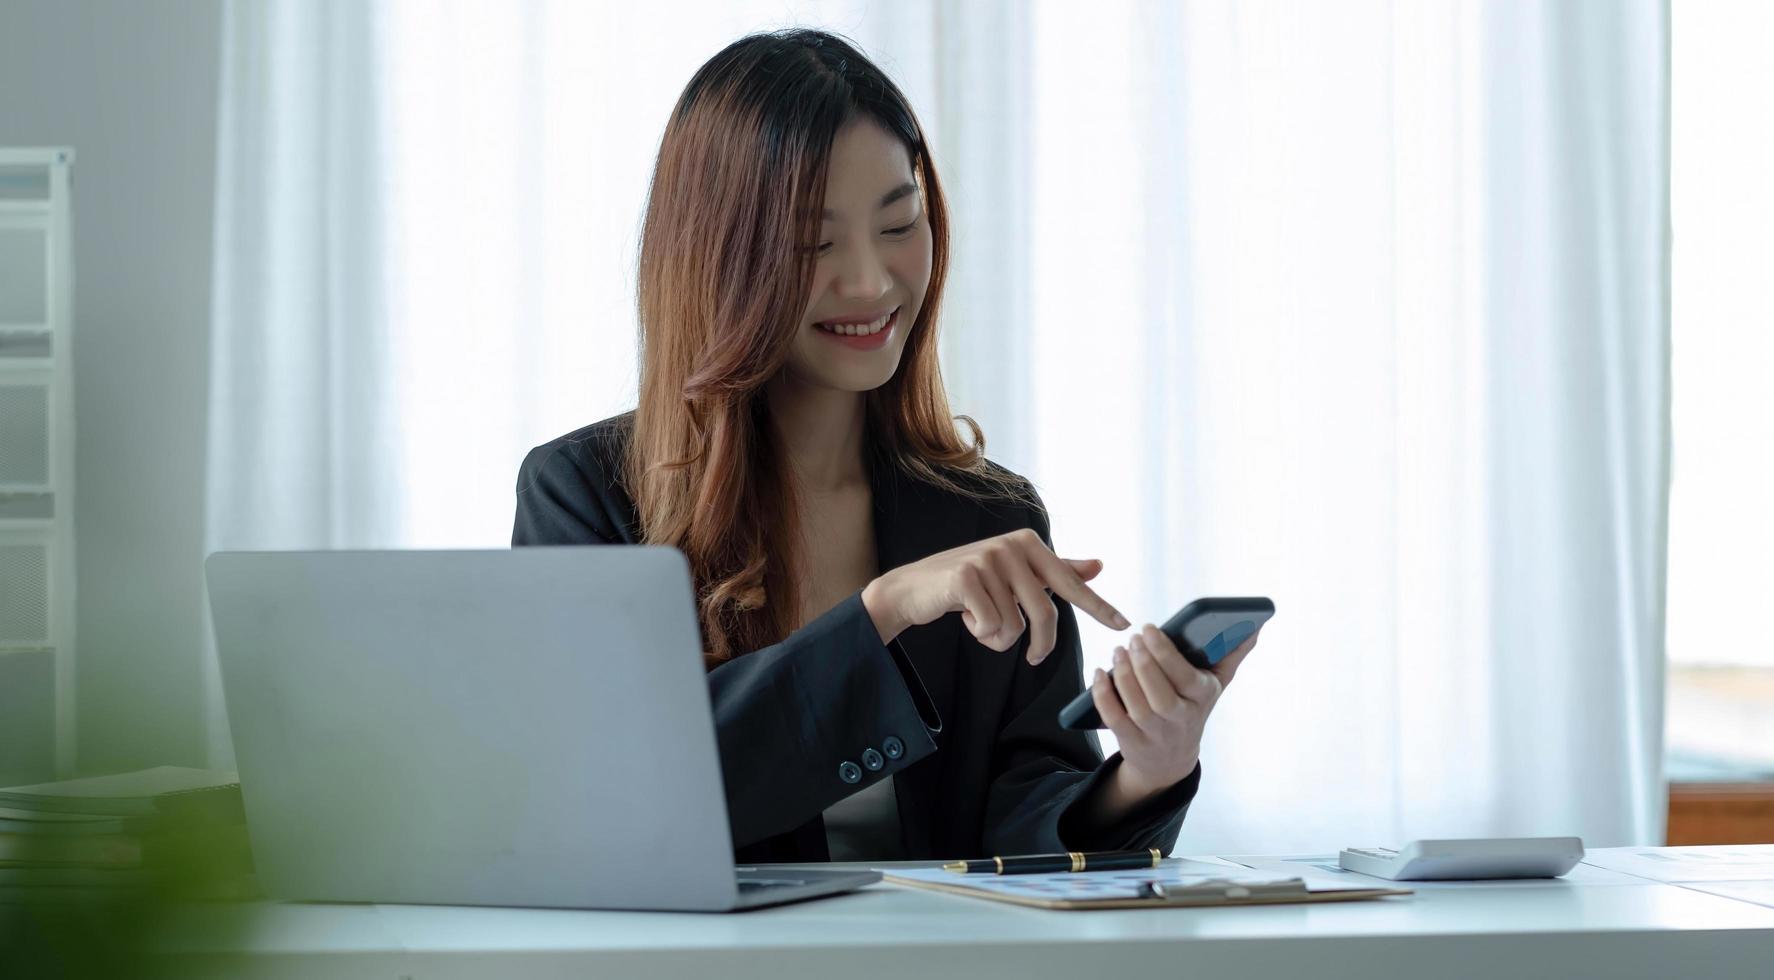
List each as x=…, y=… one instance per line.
x=1227, y=640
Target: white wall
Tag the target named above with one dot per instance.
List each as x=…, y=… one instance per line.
x=132, y=87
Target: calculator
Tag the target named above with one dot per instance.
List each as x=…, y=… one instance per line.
x=1468, y=859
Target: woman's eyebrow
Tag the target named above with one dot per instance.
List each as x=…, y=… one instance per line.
x=886, y=199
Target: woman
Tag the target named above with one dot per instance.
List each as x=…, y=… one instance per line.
x=793, y=439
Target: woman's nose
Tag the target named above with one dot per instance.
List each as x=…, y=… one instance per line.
x=862, y=276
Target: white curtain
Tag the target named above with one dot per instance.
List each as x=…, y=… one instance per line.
x=1359, y=306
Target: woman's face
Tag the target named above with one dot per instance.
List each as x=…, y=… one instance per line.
x=874, y=265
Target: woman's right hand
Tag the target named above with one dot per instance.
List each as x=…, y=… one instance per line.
x=988, y=582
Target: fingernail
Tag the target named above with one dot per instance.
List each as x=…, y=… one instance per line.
x=1120, y=655
x=1121, y=622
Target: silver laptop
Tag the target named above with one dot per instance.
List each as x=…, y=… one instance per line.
x=526, y=727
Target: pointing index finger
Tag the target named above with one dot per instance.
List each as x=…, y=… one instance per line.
x=1065, y=583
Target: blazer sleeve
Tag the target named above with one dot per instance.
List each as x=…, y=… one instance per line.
x=1043, y=773
x=801, y=724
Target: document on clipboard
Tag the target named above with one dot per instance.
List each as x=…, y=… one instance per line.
x=1142, y=888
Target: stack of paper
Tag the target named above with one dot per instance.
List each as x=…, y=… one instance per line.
x=122, y=831
x=1177, y=885
x=1741, y=871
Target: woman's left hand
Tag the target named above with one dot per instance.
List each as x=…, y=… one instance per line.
x=1163, y=704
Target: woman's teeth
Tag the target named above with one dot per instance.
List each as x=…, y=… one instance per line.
x=858, y=329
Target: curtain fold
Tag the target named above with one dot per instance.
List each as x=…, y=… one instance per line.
x=303, y=441
x=1362, y=307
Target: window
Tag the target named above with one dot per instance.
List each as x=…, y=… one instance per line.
x=1721, y=540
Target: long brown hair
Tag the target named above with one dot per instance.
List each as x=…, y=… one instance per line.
x=723, y=282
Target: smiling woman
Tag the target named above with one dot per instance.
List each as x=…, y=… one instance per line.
x=793, y=440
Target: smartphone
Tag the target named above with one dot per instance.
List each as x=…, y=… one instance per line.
x=1204, y=630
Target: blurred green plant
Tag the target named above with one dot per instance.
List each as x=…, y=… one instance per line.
x=61, y=920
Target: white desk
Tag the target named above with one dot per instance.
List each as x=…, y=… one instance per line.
x=1552, y=929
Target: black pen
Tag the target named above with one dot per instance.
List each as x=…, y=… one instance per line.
x=1050, y=863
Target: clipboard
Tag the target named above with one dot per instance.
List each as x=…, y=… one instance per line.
x=1126, y=889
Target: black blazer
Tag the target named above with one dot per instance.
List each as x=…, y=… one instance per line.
x=968, y=734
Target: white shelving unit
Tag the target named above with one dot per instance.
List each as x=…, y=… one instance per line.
x=36, y=463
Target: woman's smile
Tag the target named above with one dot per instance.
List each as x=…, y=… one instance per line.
x=866, y=335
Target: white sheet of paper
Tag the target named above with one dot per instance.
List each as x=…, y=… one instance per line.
x=1323, y=870
x=1086, y=884
x=1677, y=865
x=1756, y=892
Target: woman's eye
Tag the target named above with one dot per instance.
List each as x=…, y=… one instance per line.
x=900, y=232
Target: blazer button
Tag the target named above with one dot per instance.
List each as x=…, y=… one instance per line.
x=849, y=773
x=893, y=747
x=871, y=760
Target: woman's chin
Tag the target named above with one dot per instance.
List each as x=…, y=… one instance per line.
x=853, y=377
x=844, y=370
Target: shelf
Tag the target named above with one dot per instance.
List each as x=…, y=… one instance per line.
x=26, y=344
x=37, y=578
x=35, y=509
x=26, y=348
